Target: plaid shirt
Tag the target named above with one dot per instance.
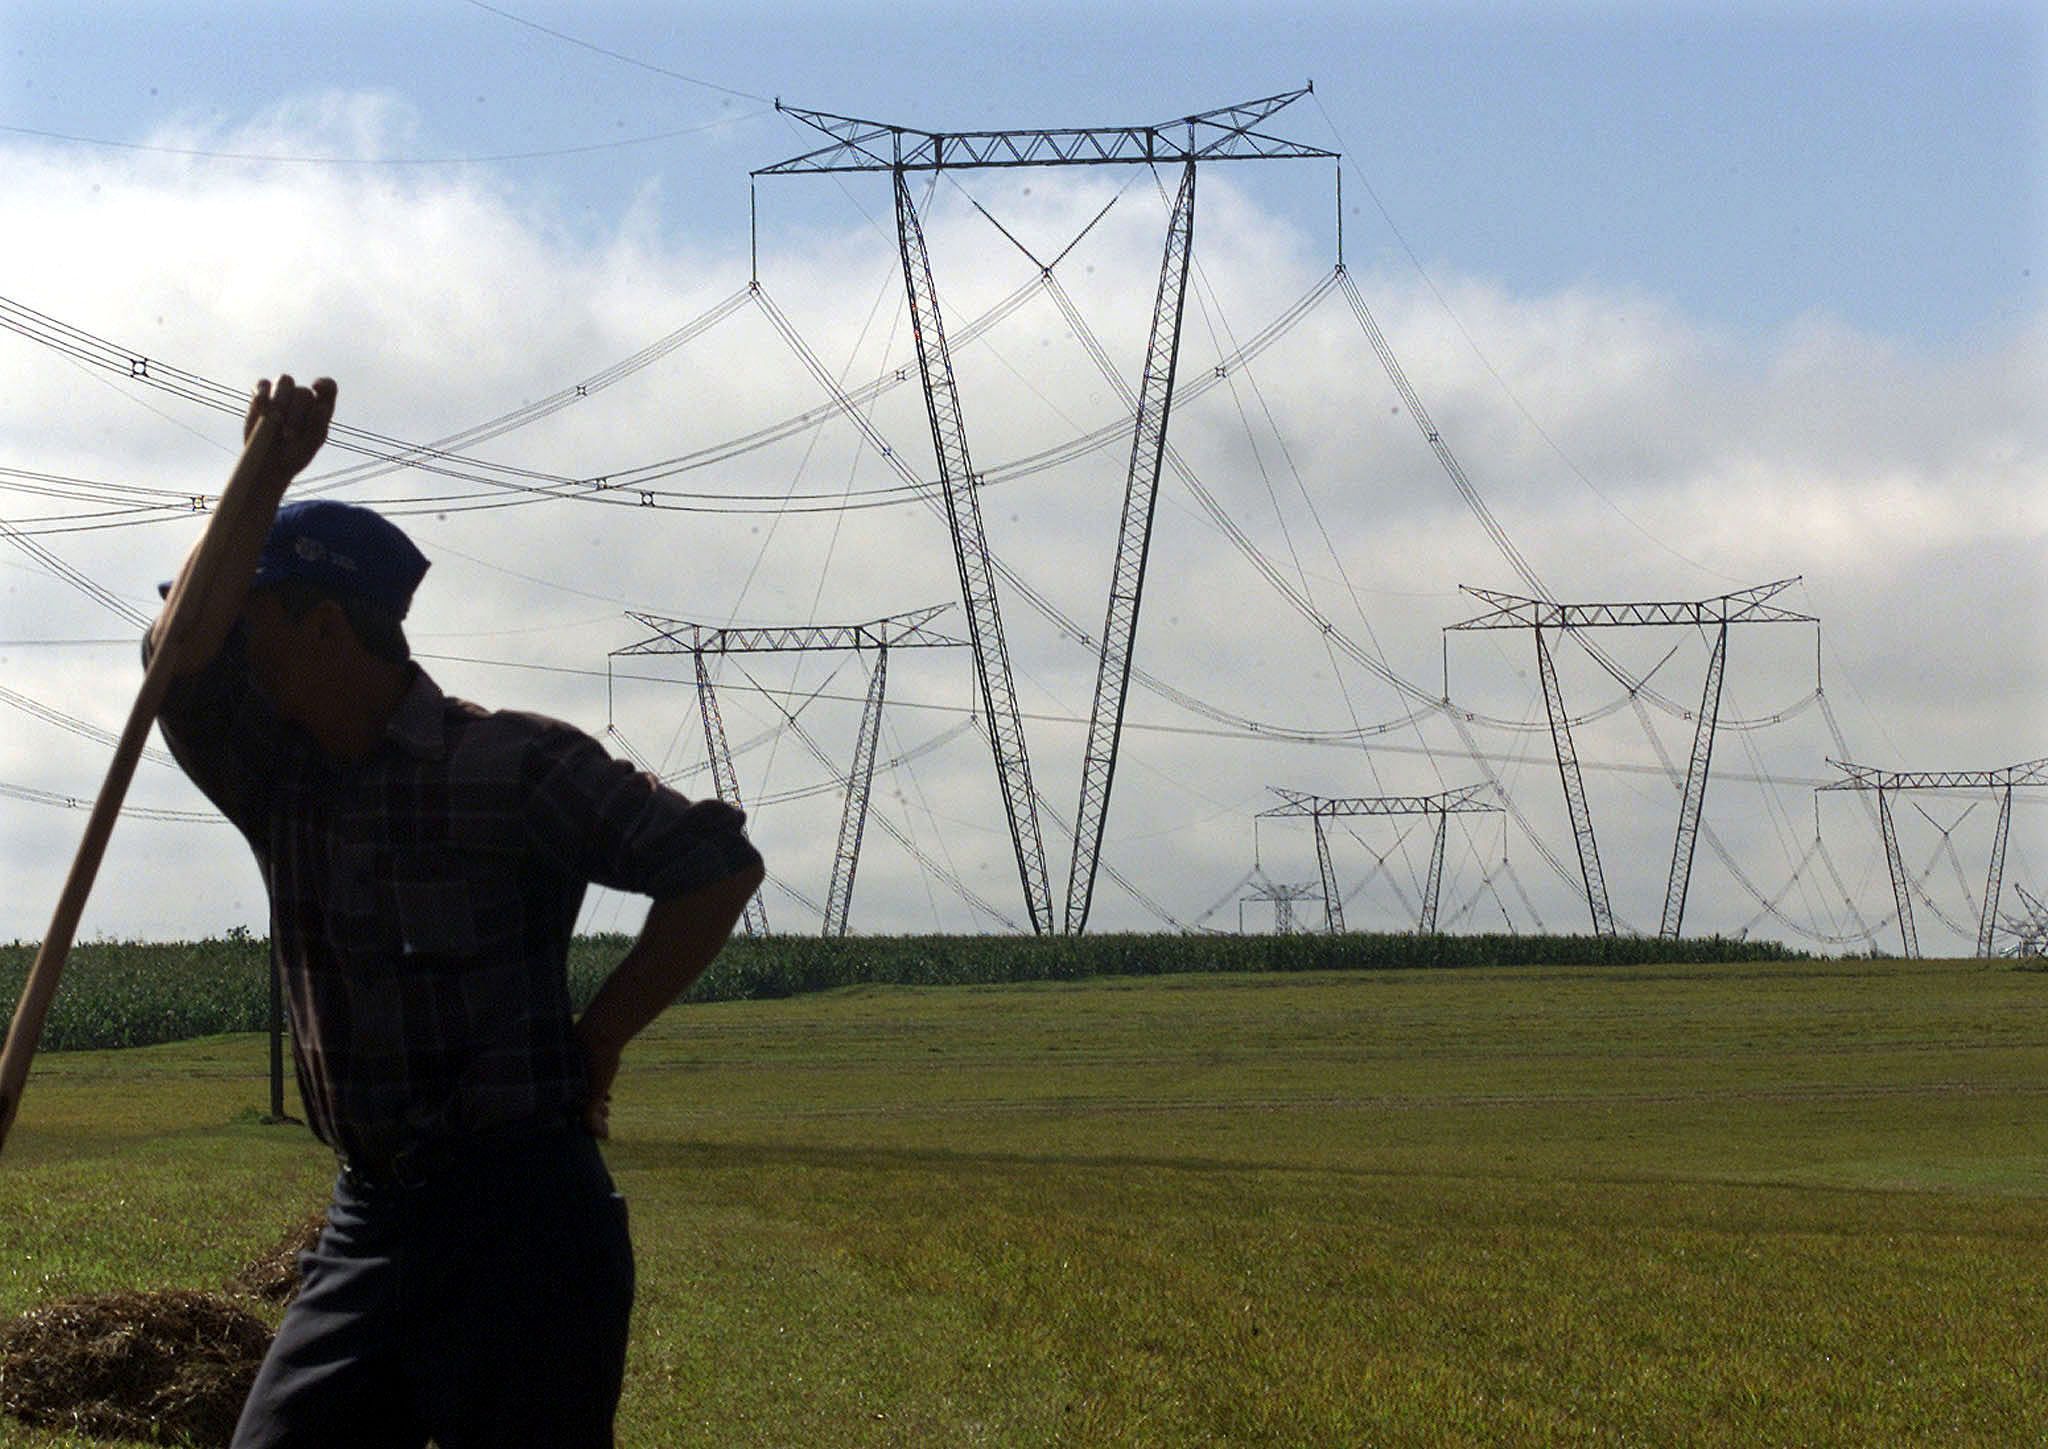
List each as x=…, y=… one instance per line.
x=422, y=899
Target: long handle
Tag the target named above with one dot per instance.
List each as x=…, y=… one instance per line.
x=185, y=604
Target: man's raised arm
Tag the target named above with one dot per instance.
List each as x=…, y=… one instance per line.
x=301, y=415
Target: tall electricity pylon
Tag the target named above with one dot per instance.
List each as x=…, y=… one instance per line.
x=1318, y=808
x=897, y=631
x=1884, y=782
x=1224, y=134
x=1745, y=606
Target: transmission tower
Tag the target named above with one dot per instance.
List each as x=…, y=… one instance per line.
x=1318, y=808
x=1886, y=782
x=1224, y=134
x=897, y=631
x=1745, y=606
x=1282, y=898
x=2028, y=927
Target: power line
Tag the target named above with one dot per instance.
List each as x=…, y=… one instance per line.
x=1472, y=344
x=910, y=479
x=1333, y=740
x=65, y=643
x=114, y=604
x=34, y=796
x=530, y=493
x=74, y=725
x=624, y=59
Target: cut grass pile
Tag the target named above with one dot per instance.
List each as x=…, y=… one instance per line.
x=1777, y=1203
x=167, y=1366
x=174, y=1365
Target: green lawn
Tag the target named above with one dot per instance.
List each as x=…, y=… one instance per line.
x=1796, y=1203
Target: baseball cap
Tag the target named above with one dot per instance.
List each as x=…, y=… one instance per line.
x=343, y=547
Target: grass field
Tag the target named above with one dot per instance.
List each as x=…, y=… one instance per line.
x=139, y=993
x=1794, y=1203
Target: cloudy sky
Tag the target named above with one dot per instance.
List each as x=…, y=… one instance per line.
x=1695, y=299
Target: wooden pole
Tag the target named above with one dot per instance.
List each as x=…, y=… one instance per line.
x=186, y=603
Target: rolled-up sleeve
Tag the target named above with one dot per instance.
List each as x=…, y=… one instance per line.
x=598, y=818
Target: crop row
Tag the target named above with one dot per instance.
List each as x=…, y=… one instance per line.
x=122, y=994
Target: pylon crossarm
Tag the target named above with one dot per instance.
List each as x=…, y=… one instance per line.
x=854, y=142
x=1223, y=134
x=1464, y=800
x=671, y=636
x=1744, y=606
x=895, y=631
x=1869, y=777
x=1244, y=113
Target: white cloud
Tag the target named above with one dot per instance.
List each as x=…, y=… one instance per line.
x=1903, y=485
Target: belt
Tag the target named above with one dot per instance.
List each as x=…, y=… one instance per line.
x=424, y=1160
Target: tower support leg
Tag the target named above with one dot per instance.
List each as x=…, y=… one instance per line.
x=1897, y=865
x=1333, y=903
x=1688, y=838
x=1574, y=792
x=1987, y=927
x=1433, y=888
x=1133, y=543
x=859, y=784
x=961, y=488
x=724, y=778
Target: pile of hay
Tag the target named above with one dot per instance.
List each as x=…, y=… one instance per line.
x=148, y=1366
x=274, y=1277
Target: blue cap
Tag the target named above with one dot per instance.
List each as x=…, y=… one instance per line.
x=342, y=547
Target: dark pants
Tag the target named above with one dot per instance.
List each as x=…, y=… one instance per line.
x=485, y=1309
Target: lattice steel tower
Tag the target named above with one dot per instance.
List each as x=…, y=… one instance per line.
x=1317, y=808
x=1224, y=134
x=879, y=636
x=1281, y=896
x=1887, y=782
x=1745, y=606
x=2028, y=926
